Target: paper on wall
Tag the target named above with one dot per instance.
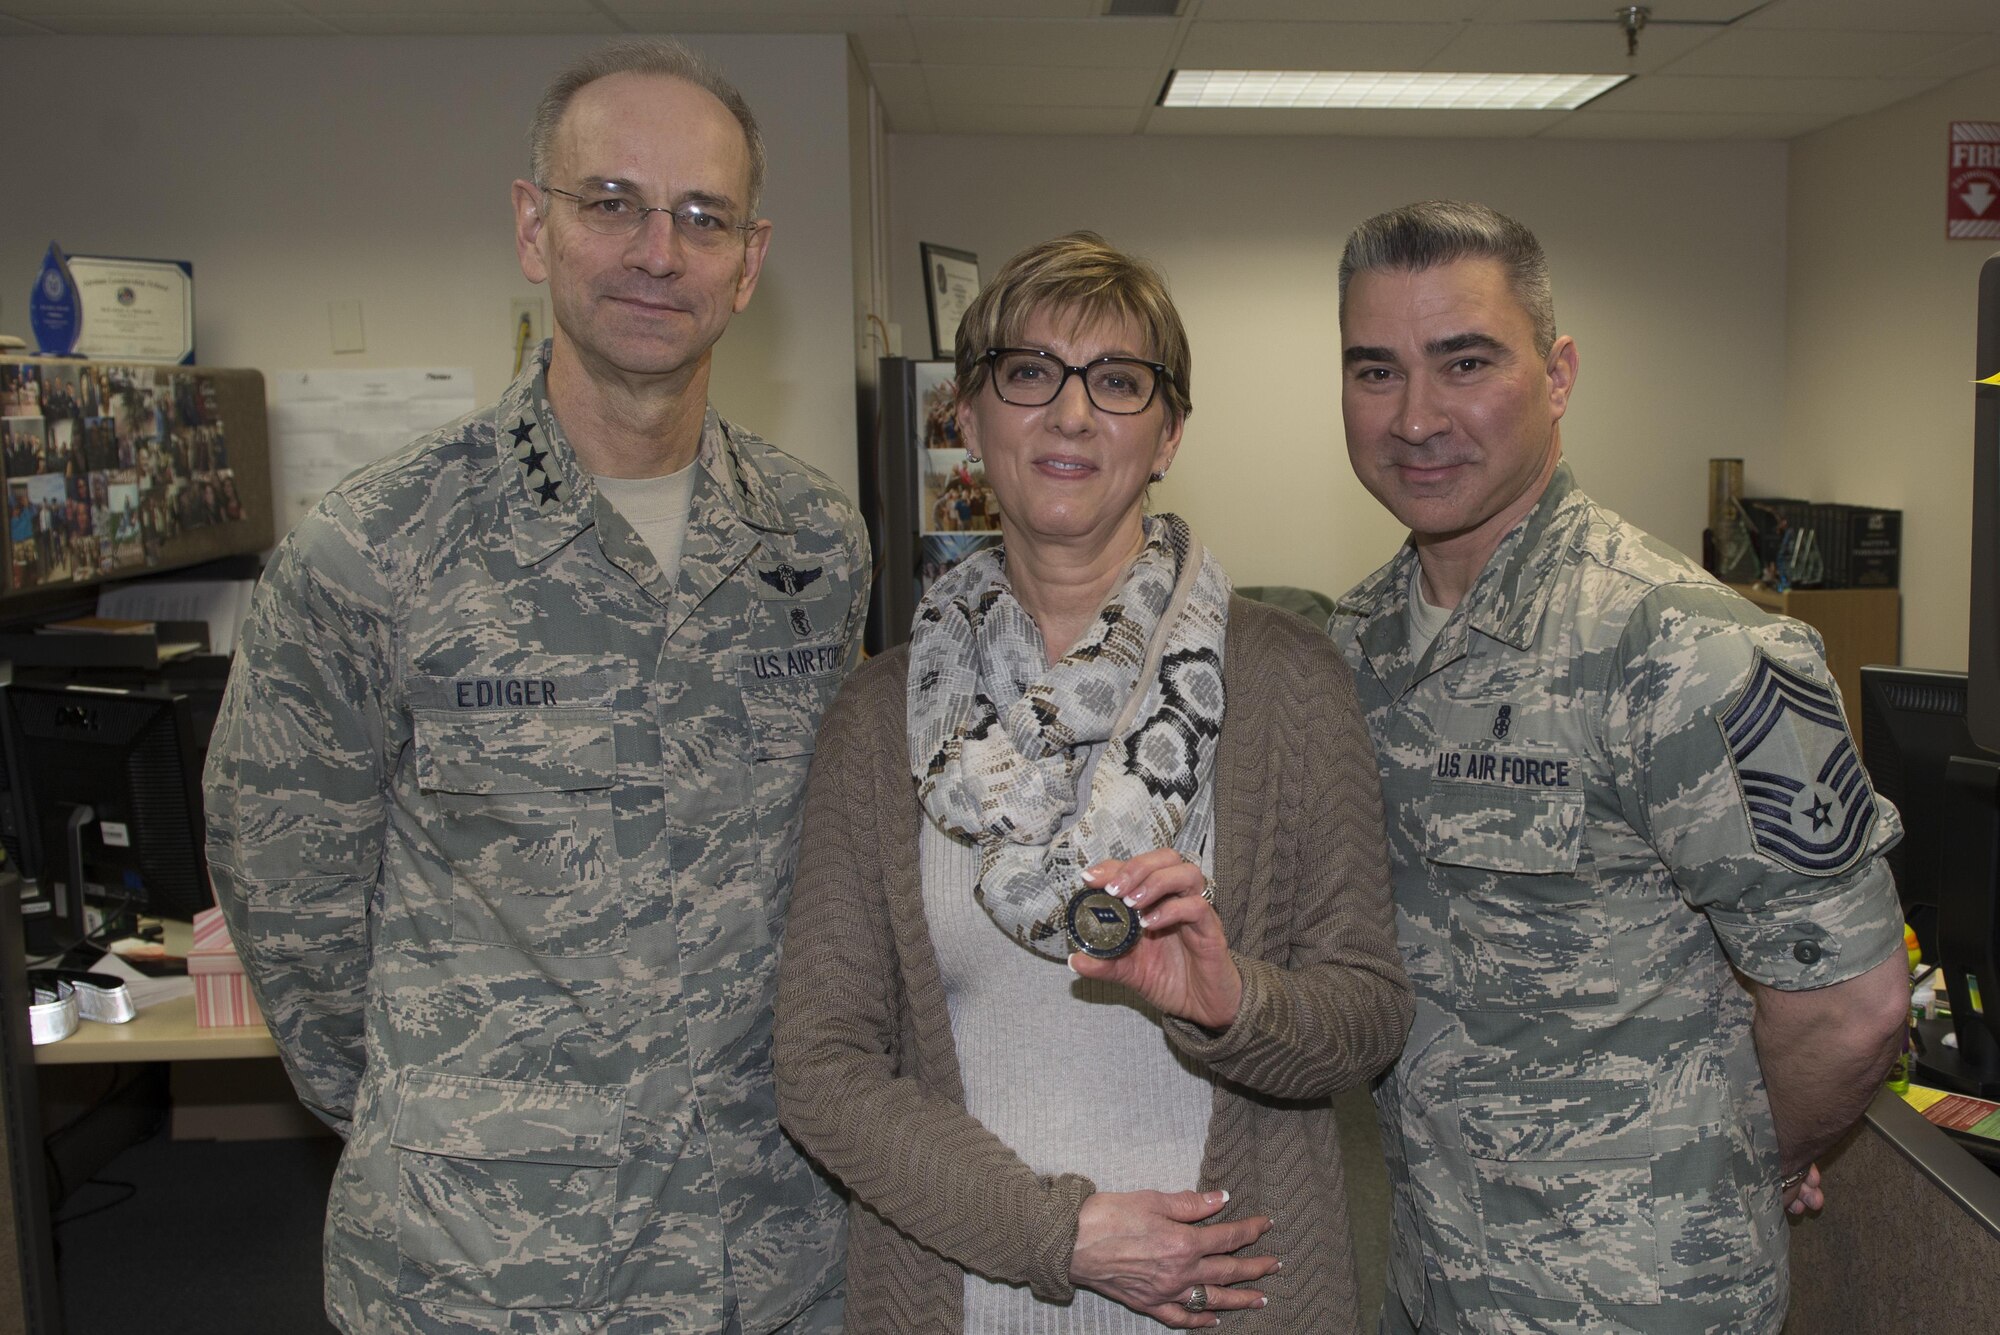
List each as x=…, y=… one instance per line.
x=326, y=424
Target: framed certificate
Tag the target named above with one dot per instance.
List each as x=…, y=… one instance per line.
x=136, y=310
x=951, y=281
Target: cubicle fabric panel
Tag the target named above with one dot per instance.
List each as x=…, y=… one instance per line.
x=118, y=469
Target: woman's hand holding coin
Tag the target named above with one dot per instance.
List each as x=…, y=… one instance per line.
x=1181, y=963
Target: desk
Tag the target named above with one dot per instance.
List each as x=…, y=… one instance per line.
x=239, y=1091
x=163, y=1033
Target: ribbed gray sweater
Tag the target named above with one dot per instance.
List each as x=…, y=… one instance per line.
x=868, y=1074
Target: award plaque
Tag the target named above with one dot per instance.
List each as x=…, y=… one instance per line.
x=52, y=308
x=951, y=281
x=138, y=310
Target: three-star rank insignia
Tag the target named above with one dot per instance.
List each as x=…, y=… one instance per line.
x=1803, y=788
x=542, y=484
x=785, y=579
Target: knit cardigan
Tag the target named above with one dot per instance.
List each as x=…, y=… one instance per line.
x=867, y=1073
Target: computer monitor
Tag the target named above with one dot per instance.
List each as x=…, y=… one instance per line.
x=106, y=791
x=1921, y=756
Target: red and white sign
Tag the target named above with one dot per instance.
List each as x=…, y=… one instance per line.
x=1972, y=180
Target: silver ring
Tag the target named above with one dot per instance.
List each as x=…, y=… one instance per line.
x=1197, y=1299
x=1208, y=891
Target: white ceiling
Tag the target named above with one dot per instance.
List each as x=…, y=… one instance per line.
x=1707, y=69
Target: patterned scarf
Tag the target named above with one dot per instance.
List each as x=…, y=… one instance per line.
x=999, y=739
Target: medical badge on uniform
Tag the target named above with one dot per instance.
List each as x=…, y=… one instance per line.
x=1802, y=784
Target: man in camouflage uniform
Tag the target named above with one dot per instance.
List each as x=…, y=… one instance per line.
x=503, y=798
x=1608, y=780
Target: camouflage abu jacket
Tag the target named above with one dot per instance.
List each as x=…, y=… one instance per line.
x=504, y=827
x=1609, y=780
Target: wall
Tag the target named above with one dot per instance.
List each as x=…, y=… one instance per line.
x=298, y=172
x=1879, y=328
x=1669, y=271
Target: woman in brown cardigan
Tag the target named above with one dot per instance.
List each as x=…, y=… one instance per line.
x=1091, y=752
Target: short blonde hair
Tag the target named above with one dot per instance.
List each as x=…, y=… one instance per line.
x=1083, y=279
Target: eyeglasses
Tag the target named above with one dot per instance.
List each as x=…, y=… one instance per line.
x=621, y=213
x=1030, y=378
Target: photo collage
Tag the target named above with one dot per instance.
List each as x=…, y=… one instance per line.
x=958, y=514
x=104, y=463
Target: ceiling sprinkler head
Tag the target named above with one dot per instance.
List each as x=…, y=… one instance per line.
x=1633, y=18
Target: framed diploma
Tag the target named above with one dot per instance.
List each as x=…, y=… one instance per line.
x=951, y=281
x=136, y=310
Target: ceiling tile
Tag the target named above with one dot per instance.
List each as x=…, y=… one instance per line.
x=887, y=41
x=188, y=25
x=464, y=9
x=1775, y=97
x=1380, y=124
x=756, y=11
x=470, y=25
x=1665, y=12
x=883, y=39
x=906, y=97
x=1313, y=46
x=1864, y=15
x=1038, y=120
x=1008, y=85
x=1337, y=11
x=1779, y=54
x=1593, y=124
x=1015, y=9
x=31, y=9
x=1130, y=43
x=1563, y=48
x=1973, y=53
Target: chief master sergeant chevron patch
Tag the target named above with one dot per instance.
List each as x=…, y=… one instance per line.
x=1804, y=791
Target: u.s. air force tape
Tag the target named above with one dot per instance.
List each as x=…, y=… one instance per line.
x=51, y=1011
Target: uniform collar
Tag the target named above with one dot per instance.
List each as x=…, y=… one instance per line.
x=1506, y=603
x=1512, y=594
x=547, y=497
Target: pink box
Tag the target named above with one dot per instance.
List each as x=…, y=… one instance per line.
x=221, y=994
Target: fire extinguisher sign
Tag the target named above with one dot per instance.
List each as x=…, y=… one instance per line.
x=1972, y=180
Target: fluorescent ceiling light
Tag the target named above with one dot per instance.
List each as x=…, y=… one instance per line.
x=1387, y=89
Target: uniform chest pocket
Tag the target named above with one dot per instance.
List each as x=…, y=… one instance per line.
x=785, y=693
x=1528, y=930
x=524, y=818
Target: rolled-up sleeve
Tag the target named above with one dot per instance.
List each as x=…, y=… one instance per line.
x=1738, y=766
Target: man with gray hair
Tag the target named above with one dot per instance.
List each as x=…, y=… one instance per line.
x=503, y=798
x=1637, y=866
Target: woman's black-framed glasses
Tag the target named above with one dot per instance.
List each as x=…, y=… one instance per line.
x=621, y=213
x=1030, y=378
